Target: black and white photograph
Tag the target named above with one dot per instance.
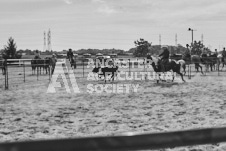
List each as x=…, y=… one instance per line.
x=112, y=75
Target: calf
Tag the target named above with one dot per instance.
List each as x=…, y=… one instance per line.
x=105, y=71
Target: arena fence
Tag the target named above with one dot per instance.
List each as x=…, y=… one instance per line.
x=127, y=141
x=18, y=71
x=23, y=67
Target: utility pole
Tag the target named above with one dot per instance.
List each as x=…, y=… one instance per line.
x=176, y=40
x=49, y=41
x=192, y=30
x=202, y=38
x=44, y=47
x=160, y=40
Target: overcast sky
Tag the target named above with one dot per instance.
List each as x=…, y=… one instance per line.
x=116, y=24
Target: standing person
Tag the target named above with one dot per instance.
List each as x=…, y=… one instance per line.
x=186, y=55
x=70, y=55
x=223, y=54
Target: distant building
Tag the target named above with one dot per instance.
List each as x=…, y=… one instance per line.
x=113, y=55
x=99, y=54
x=87, y=55
x=129, y=54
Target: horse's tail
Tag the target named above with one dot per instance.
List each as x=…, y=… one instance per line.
x=182, y=64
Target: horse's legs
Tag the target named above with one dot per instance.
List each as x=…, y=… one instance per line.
x=173, y=77
x=200, y=68
x=184, y=67
x=104, y=77
x=178, y=72
x=196, y=67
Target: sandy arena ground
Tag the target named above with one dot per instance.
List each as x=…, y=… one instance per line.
x=28, y=112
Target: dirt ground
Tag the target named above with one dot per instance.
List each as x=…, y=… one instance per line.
x=28, y=112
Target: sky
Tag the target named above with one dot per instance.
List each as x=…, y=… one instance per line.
x=106, y=24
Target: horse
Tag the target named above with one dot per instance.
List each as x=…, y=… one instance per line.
x=171, y=66
x=52, y=64
x=209, y=61
x=3, y=64
x=105, y=71
x=189, y=59
x=183, y=65
x=40, y=64
x=33, y=66
x=220, y=60
x=73, y=62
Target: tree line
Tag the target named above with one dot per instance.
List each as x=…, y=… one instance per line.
x=142, y=47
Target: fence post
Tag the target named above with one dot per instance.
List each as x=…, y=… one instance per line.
x=218, y=66
x=83, y=67
x=37, y=73
x=188, y=71
x=6, y=76
x=49, y=73
x=129, y=67
x=144, y=64
x=24, y=70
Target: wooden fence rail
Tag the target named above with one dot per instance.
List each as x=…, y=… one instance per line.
x=126, y=141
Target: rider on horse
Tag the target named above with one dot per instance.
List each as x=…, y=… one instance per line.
x=216, y=53
x=70, y=55
x=37, y=55
x=164, y=58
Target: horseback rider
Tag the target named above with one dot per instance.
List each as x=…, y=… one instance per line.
x=164, y=58
x=37, y=55
x=216, y=53
x=70, y=55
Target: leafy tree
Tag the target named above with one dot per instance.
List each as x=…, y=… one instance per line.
x=197, y=48
x=10, y=50
x=142, y=48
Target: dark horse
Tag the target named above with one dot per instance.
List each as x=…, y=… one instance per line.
x=209, y=61
x=73, y=62
x=3, y=66
x=52, y=64
x=39, y=64
x=196, y=59
x=172, y=65
x=33, y=66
